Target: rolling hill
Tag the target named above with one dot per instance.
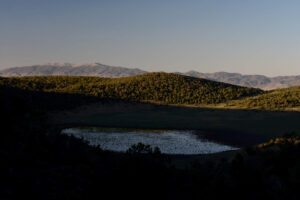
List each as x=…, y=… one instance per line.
x=280, y=99
x=163, y=88
x=152, y=87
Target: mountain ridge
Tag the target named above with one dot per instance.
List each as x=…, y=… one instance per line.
x=102, y=70
x=256, y=81
x=69, y=69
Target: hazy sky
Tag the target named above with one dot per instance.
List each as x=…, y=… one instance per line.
x=246, y=36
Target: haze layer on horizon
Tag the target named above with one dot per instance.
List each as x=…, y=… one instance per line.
x=249, y=37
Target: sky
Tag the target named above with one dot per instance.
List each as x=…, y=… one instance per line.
x=244, y=36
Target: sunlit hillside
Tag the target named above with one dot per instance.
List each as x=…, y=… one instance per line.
x=280, y=99
x=154, y=87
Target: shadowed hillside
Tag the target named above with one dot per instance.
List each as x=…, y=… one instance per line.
x=40, y=163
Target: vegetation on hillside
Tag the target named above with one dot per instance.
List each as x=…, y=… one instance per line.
x=154, y=87
x=274, y=100
x=161, y=88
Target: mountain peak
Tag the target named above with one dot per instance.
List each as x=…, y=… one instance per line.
x=66, y=64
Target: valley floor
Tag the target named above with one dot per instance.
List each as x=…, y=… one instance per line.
x=229, y=126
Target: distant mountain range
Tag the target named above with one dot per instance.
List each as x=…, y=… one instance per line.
x=67, y=69
x=98, y=69
x=256, y=81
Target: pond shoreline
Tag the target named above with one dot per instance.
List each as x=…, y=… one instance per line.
x=168, y=141
x=225, y=137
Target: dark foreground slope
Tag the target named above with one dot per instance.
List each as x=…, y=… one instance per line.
x=152, y=87
x=39, y=163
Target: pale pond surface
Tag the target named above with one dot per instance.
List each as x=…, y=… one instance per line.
x=169, y=142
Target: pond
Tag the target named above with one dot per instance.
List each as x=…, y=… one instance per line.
x=168, y=141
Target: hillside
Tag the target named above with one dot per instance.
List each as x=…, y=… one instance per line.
x=100, y=70
x=153, y=87
x=166, y=88
x=277, y=99
x=67, y=69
